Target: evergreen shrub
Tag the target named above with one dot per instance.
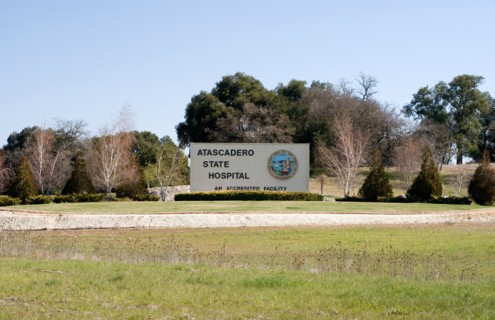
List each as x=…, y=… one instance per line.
x=146, y=197
x=90, y=197
x=427, y=185
x=441, y=200
x=351, y=199
x=24, y=185
x=379, y=199
x=65, y=198
x=376, y=183
x=79, y=181
x=451, y=200
x=482, y=185
x=82, y=197
x=39, y=199
x=8, y=201
x=248, y=196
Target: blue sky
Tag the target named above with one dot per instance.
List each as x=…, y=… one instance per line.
x=84, y=60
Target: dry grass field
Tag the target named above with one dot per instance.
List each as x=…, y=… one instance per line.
x=368, y=272
x=455, y=180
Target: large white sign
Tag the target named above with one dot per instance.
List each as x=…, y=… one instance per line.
x=249, y=167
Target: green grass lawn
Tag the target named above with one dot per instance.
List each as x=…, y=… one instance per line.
x=243, y=206
x=410, y=272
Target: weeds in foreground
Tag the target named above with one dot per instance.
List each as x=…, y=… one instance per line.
x=387, y=261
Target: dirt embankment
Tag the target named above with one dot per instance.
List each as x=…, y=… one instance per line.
x=11, y=220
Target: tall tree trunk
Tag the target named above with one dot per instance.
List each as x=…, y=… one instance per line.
x=459, y=156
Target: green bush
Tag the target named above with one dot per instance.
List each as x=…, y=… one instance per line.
x=132, y=188
x=24, y=185
x=146, y=197
x=376, y=183
x=482, y=185
x=90, y=197
x=352, y=199
x=83, y=197
x=398, y=199
x=427, y=185
x=248, y=196
x=39, y=199
x=441, y=200
x=451, y=200
x=8, y=201
x=69, y=198
x=379, y=199
x=79, y=181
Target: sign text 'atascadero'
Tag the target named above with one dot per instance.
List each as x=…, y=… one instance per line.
x=226, y=152
x=224, y=163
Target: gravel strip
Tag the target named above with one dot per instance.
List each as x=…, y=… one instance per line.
x=42, y=221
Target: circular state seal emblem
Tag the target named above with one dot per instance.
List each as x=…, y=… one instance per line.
x=282, y=164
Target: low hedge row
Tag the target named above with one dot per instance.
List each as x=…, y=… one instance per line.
x=146, y=197
x=70, y=198
x=452, y=200
x=82, y=197
x=97, y=197
x=247, y=195
x=8, y=201
x=39, y=199
x=442, y=200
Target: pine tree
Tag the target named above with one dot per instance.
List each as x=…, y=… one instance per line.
x=376, y=183
x=24, y=185
x=427, y=184
x=482, y=185
x=79, y=181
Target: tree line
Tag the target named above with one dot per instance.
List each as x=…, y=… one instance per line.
x=66, y=160
x=344, y=124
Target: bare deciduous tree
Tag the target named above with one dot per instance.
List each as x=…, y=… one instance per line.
x=345, y=87
x=440, y=140
x=168, y=169
x=407, y=160
x=165, y=172
x=345, y=157
x=70, y=133
x=49, y=161
x=110, y=159
x=460, y=181
x=368, y=85
x=322, y=179
x=381, y=123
